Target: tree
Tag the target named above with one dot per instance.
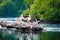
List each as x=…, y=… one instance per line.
x=45, y=9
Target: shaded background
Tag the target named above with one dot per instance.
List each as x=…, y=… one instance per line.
x=41, y=9
x=11, y=8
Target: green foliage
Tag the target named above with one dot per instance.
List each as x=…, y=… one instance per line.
x=4, y=2
x=27, y=3
x=11, y=8
x=45, y=9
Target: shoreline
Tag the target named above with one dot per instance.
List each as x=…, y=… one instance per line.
x=50, y=21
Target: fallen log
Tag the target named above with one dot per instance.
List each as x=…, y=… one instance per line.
x=21, y=28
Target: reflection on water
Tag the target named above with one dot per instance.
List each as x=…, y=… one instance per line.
x=16, y=35
x=6, y=34
x=50, y=32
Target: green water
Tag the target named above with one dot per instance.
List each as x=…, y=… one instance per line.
x=50, y=36
x=44, y=36
x=14, y=35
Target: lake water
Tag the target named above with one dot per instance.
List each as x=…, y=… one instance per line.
x=16, y=35
x=50, y=32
